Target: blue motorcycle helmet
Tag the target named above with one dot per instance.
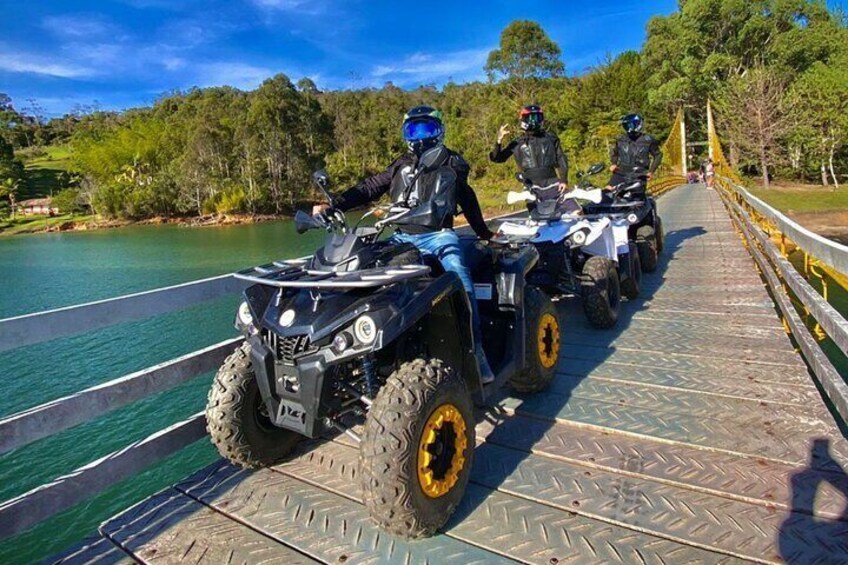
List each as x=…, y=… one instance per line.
x=632, y=124
x=423, y=129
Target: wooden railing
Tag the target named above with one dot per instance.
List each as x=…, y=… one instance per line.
x=17, y=430
x=770, y=236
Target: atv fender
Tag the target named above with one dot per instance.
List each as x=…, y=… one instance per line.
x=601, y=241
x=443, y=312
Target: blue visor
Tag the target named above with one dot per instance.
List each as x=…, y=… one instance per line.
x=420, y=130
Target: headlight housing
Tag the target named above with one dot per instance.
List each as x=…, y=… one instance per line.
x=632, y=218
x=245, y=317
x=365, y=329
x=578, y=237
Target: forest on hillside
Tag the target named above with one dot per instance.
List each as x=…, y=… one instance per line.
x=776, y=71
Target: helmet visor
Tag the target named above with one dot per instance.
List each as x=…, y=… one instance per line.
x=421, y=129
x=632, y=122
x=532, y=119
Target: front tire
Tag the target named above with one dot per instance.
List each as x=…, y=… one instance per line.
x=417, y=448
x=646, y=242
x=601, y=290
x=542, y=339
x=237, y=420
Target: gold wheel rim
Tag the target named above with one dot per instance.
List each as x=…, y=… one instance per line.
x=443, y=437
x=547, y=340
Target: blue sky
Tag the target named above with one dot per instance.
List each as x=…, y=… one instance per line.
x=124, y=53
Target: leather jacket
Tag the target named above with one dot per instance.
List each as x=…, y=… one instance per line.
x=435, y=192
x=636, y=155
x=538, y=154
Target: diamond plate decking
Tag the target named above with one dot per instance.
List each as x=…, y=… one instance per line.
x=690, y=433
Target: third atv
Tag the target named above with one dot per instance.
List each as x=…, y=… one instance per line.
x=627, y=206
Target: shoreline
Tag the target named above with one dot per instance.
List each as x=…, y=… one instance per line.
x=88, y=224
x=210, y=220
x=827, y=224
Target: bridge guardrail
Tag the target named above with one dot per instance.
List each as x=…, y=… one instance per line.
x=755, y=220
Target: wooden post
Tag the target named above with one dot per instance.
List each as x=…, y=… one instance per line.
x=685, y=161
x=710, y=129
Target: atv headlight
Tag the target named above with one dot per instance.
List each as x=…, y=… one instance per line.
x=341, y=342
x=365, y=329
x=244, y=315
x=632, y=218
x=579, y=237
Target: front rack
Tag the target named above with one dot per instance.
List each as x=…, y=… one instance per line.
x=295, y=273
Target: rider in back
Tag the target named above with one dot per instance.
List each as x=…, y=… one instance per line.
x=635, y=155
x=538, y=153
x=407, y=184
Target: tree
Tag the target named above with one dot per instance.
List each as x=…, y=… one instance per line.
x=11, y=173
x=822, y=92
x=526, y=54
x=755, y=114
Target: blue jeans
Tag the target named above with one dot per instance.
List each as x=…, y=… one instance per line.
x=446, y=247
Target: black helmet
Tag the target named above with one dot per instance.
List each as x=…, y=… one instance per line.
x=632, y=124
x=531, y=117
x=423, y=129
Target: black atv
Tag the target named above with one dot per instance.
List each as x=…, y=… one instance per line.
x=626, y=204
x=366, y=328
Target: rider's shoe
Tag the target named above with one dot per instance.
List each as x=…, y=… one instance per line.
x=486, y=374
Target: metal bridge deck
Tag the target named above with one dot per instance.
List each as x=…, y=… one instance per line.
x=691, y=433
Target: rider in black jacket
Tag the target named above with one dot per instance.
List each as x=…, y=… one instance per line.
x=537, y=152
x=433, y=192
x=635, y=154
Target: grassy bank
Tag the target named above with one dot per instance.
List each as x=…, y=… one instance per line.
x=46, y=170
x=36, y=224
x=804, y=198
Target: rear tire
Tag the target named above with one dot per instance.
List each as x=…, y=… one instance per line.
x=660, y=235
x=632, y=286
x=542, y=339
x=646, y=242
x=601, y=290
x=237, y=420
x=417, y=448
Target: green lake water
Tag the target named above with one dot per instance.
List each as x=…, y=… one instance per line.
x=41, y=272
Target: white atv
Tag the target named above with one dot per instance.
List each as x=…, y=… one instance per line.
x=577, y=255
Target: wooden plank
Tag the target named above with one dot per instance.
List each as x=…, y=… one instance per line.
x=746, y=478
x=172, y=528
x=30, y=508
x=72, y=320
x=521, y=529
x=320, y=523
x=60, y=414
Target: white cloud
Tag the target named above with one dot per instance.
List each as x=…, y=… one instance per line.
x=79, y=26
x=299, y=7
x=240, y=75
x=281, y=4
x=48, y=66
x=424, y=67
